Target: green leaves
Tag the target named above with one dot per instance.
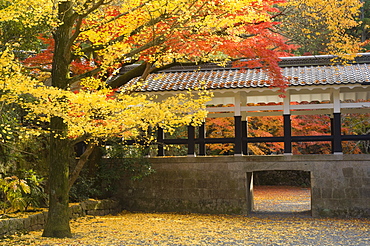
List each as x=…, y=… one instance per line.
x=20, y=193
x=12, y=189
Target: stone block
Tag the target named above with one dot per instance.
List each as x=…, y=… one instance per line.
x=75, y=209
x=235, y=184
x=19, y=224
x=319, y=182
x=239, y=194
x=226, y=193
x=158, y=183
x=219, y=166
x=27, y=223
x=365, y=193
x=213, y=184
x=235, y=167
x=347, y=172
x=91, y=212
x=327, y=182
x=168, y=175
x=4, y=227
x=168, y=193
x=205, y=194
x=36, y=227
x=89, y=204
x=359, y=171
x=96, y=212
x=33, y=219
x=355, y=182
x=367, y=172
x=184, y=174
x=338, y=194
x=352, y=192
x=12, y=225
x=104, y=204
x=189, y=183
x=201, y=184
x=176, y=183
x=366, y=182
x=326, y=193
x=190, y=194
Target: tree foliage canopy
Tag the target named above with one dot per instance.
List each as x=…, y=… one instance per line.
x=322, y=26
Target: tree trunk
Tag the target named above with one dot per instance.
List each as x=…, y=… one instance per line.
x=57, y=224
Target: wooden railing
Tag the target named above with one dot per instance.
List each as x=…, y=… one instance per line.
x=241, y=140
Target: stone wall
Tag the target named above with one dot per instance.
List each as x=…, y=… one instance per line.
x=187, y=185
x=37, y=221
x=341, y=188
x=340, y=184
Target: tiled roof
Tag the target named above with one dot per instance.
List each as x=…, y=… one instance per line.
x=299, y=71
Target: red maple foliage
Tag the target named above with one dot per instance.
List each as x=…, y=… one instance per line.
x=43, y=60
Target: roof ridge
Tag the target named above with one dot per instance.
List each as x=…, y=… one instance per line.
x=317, y=60
x=291, y=61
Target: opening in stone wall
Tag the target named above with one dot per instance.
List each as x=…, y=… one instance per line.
x=281, y=191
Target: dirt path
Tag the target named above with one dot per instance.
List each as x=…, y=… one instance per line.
x=263, y=227
x=282, y=199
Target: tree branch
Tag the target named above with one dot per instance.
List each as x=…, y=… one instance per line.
x=77, y=31
x=152, y=43
x=122, y=79
x=81, y=162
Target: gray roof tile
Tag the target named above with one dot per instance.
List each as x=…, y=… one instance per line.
x=215, y=77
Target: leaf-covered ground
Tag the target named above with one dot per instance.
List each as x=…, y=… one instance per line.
x=260, y=228
x=282, y=199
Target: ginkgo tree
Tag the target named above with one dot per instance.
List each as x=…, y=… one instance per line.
x=110, y=34
x=322, y=26
x=103, y=35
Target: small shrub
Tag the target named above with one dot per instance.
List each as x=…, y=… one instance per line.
x=13, y=190
x=20, y=193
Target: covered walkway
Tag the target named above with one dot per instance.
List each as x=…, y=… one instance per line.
x=336, y=88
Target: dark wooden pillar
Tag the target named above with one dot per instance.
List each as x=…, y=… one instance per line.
x=191, y=141
x=287, y=134
x=202, y=135
x=244, y=134
x=160, y=137
x=238, y=135
x=336, y=125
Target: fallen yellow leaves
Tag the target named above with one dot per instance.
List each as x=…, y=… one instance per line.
x=282, y=199
x=195, y=229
